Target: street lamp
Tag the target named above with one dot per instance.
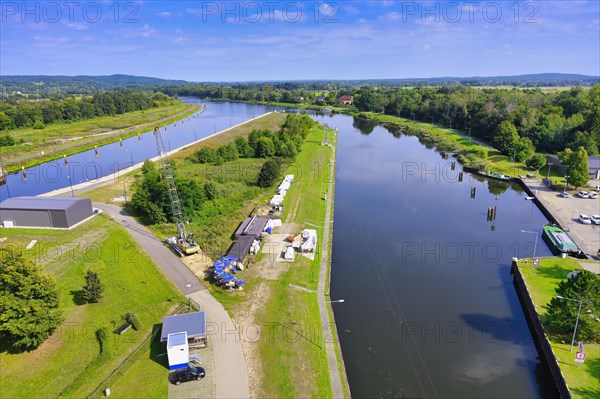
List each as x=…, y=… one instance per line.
x=566, y=177
x=549, y=165
x=576, y=322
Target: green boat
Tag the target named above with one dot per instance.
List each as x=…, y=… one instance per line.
x=559, y=241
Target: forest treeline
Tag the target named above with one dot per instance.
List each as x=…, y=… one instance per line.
x=26, y=113
x=552, y=120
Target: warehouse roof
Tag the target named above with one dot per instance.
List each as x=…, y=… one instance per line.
x=42, y=203
x=192, y=323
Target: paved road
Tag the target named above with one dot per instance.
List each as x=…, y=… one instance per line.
x=231, y=373
x=329, y=329
x=166, y=259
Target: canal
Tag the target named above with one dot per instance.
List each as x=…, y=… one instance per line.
x=430, y=309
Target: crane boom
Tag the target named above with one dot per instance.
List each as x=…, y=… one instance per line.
x=184, y=243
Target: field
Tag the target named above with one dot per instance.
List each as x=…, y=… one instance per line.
x=583, y=381
x=68, y=138
x=70, y=364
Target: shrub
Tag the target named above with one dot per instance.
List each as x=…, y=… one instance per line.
x=102, y=337
x=132, y=319
x=211, y=191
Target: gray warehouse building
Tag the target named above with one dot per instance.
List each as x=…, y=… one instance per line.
x=62, y=213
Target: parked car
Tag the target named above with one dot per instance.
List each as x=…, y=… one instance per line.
x=564, y=194
x=592, y=195
x=585, y=219
x=188, y=374
x=595, y=219
x=583, y=194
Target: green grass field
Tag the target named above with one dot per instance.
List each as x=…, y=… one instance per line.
x=69, y=138
x=69, y=364
x=584, y=382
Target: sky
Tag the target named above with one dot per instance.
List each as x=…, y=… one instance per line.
x=291, y=40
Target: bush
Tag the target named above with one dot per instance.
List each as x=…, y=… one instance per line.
x=211, y=191
x=207, y=155
x=132, y=319
x=6, y=140
x=102, y=337
x=39, y=125
x=269, y=173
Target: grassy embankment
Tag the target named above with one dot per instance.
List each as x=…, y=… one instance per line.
x=290, y=362
x=69, y=138
x=583, y=381
x=70, y=364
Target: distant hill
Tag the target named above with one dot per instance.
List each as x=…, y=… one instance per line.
x=46, y=86
x=60, y=86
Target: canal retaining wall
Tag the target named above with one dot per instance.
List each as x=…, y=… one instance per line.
x=537, y=331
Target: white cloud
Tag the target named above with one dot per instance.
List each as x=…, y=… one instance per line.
x=147, y=31
x=164, y=14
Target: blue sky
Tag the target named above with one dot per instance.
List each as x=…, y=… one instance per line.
x=291, y=40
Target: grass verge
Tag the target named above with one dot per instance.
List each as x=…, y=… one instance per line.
x=583, y=381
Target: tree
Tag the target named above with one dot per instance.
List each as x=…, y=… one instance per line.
x=369, y=101
x=505, y=137
x=228, y=152
x=207, y=155
x=523, y=149
x=269, y=173
x=264, y=147
x=92, y=290
x=537, y=161
x=29, y=302
x=562, y=314
x=577, y=161
x=243, y=148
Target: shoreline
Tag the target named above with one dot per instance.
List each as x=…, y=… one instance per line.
x=85, y=186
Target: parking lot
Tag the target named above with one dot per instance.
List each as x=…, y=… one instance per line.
x=567, y=211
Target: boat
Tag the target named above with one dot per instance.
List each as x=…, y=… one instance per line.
x=559, y=241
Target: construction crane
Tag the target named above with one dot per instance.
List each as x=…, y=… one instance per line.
x=184, y=244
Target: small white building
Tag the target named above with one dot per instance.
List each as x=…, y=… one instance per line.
x=178, y=350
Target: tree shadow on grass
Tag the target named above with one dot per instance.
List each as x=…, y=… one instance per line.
x=593, y=390
x=554, y=271
x=78, y=298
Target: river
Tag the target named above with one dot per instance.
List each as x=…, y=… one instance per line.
x=429, y=307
